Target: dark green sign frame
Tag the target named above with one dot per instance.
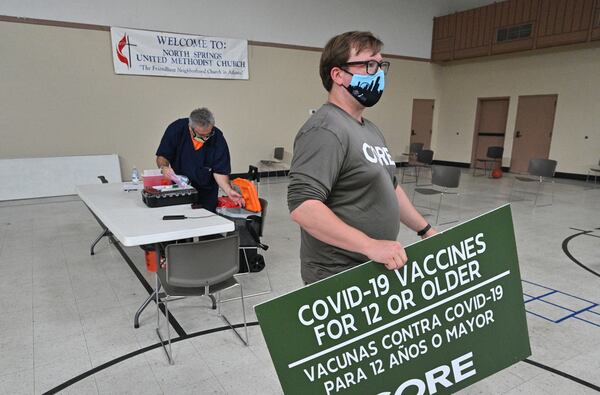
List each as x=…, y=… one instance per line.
x=451, y=316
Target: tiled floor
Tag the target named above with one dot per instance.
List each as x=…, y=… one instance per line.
x=65, y=313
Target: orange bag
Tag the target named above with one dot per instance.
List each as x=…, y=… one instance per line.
x=248, y=191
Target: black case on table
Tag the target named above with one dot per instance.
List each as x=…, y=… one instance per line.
x=170, y=198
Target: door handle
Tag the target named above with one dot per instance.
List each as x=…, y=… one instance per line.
x=518, y=134
x=412, y=133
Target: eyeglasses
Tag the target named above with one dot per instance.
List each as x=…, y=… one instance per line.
x=201, y=131
x=371, y=66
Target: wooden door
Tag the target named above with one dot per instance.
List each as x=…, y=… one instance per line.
x=490, y=126
x=422, y=120
x=533, y=130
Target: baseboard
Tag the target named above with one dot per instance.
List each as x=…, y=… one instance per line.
x=558, y=174
x=450, y=163
x=439, y=162
x=463, y=165
x=570, y=176
x=505, y=169
x=262, y=174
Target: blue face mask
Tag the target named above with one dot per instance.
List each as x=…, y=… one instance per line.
x=367, y=89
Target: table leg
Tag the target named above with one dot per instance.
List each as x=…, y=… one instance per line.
x=105, y=232
x=136, y=319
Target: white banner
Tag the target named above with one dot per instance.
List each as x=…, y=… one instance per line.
x=144, y=52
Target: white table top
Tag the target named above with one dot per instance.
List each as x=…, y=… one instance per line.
x=133, y=223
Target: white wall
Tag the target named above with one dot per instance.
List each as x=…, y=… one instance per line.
x=83, y=108
x=62, y=98
x=404, y=25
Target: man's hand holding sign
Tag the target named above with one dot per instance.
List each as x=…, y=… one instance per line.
x=451, y=316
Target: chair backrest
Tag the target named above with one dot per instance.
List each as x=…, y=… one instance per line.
x=425, y=156
x=495, y=152
x=542, y=167
x=202, y=263
x=445, y=176
x=415, y=147
x=253, y=173
x=278, y=153
x=263, y=214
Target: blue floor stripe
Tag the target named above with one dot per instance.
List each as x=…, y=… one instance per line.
x=575, y=313
x=564, y=293
x=555, y=291
x=541, y=316
x=559, y=306
x=541, y=296
x=589, y=322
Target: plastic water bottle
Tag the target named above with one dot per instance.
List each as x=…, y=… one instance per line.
x=181, y=181
x=135, y=175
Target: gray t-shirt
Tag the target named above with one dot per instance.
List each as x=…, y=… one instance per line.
x=347, y=166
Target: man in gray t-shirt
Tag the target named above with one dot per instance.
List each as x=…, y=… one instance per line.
x=342, y=190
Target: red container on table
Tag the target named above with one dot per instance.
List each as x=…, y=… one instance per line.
x=154, y=177
x=151, y=181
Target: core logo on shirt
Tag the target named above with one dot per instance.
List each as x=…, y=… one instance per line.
x=377, y=154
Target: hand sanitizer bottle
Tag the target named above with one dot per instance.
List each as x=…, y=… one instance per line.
x=135, y=175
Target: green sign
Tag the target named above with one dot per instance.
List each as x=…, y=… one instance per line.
x=451, y=316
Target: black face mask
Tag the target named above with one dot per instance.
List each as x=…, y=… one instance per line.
x=367, y=89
